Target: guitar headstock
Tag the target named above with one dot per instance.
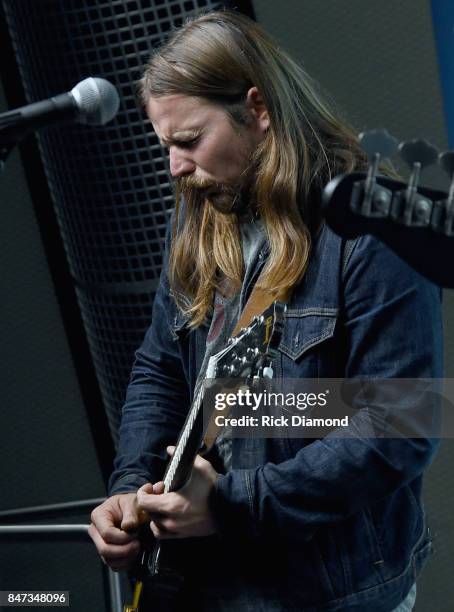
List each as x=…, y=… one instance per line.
x=371, y=196
x=250, y=353
x=414, y=221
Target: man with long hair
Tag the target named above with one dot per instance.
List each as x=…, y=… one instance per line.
x=292, y=524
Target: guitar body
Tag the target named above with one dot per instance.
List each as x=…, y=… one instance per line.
x=164, y=591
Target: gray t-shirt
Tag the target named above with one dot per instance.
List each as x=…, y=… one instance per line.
x=227, y=312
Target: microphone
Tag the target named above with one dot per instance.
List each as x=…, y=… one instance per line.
x=93, y=101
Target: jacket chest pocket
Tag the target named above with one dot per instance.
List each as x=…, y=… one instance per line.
x=308, y=348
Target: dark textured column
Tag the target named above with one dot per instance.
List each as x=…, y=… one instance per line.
x=110, y=184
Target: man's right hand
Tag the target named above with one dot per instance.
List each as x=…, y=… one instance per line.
x=114, y=530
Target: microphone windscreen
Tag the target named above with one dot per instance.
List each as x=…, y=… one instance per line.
x=97, y=100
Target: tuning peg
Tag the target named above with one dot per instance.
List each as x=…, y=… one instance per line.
x=446, y=161
x=444, y=209
x=418, y=152
x=410, y=207
x=369, y=199
x=378, y=142
x=231, y=370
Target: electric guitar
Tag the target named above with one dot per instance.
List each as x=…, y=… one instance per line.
x=247, y=357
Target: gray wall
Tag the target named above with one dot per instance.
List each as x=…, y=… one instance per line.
x=377, y=61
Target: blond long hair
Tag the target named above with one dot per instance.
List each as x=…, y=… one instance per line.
x=219, y=56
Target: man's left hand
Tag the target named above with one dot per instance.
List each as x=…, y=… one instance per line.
x=184, y=513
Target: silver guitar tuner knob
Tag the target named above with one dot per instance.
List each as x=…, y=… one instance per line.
x=268, y=372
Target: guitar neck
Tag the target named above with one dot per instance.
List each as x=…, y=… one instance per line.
x=180, y=466
x=189, y=443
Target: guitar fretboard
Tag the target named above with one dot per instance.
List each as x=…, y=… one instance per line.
x=175, y=463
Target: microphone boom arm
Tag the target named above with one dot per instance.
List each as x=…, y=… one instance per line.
x=17, y=123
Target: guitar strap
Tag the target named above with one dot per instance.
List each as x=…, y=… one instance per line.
x=259, y=300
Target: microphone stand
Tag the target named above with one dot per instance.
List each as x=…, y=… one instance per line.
x=5, y=150
x=17, y=123
x=10, y=135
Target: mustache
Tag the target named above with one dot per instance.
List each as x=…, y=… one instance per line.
x=203, y=186
x=224, y=198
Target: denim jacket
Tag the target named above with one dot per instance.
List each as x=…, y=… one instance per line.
x=327, y=524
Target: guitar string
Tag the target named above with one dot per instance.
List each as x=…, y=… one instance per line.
x=184, y=438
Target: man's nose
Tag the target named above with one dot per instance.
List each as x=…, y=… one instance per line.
x=180, y=165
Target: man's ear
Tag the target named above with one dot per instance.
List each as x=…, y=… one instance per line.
x=257, y=110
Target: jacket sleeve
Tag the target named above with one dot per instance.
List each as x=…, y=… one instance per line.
x=156, y=402
x=392, y=328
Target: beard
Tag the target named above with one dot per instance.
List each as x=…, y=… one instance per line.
x=225, y=198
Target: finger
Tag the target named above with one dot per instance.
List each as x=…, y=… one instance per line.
x=133, y=516
x=158, y=488
x=156, y=516
x=149, y=501
x=170, y=450
x=204, y=467
x=106, y=519
x=201, y=463
x=148, y=488
x=112, y=552
x=108, y=550
x=111, y=534
x=165, y=524
x=161, y=533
